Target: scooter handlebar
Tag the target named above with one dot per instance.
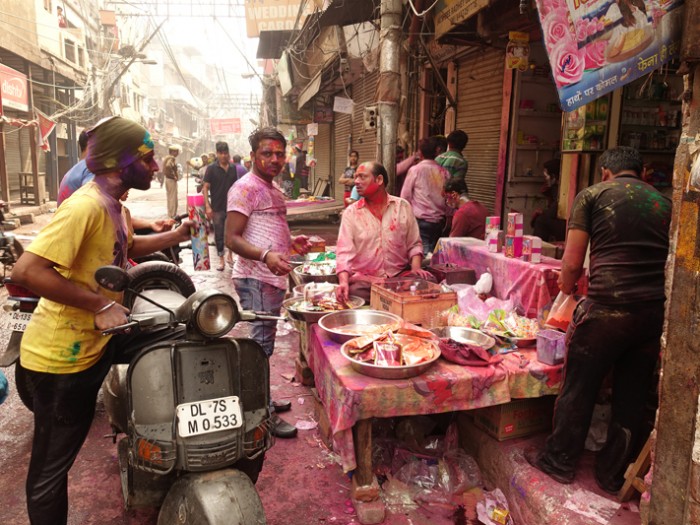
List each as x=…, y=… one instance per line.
x=121, y=328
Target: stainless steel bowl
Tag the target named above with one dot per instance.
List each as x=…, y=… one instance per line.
x=391, y=372
x=314, y=317
x=335, y=320
x=308, y=278
x=463, y=335
x=298, y=291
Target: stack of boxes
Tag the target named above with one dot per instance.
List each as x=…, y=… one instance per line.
x=512, y=242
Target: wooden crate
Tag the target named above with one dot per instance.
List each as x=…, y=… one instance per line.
x=421, y=306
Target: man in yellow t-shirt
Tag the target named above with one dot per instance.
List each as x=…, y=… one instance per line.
x=64, y=356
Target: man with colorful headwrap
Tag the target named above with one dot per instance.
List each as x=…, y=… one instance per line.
x=64, y=357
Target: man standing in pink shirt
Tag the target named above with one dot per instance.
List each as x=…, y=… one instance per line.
x=378, y=237
x=423, y=190
x=257, y=230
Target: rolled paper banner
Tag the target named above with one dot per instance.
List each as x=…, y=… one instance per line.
x=198, y=233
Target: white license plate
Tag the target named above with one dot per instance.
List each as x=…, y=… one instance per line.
x=16, y=321
x=212, y=415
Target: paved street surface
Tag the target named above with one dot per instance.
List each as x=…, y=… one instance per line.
x=301, y=483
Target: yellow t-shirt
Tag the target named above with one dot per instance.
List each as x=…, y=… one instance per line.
x=88, y=231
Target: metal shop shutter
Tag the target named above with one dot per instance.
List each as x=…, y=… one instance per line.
x=322, y=152
x=341, y=141
x=479, y=105
x=364, y=93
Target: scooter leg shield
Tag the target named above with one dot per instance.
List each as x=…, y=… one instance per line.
x=223, y=497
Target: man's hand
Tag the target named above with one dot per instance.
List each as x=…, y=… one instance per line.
x=301, y=244
x=423, y=274
x=162, y=225
x=115, y=315
x=342, y=292
x=277, y=263
x=184, y=230
x=209, y=212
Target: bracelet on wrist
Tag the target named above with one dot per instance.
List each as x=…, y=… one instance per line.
x=264, y=254
x=105, y=307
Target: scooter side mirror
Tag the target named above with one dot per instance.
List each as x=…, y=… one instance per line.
x=112, y=278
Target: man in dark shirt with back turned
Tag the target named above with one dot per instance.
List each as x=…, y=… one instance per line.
x=618, y=326
x=219, y=177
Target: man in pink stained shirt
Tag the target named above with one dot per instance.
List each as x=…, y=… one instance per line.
x=423, y=190
x=257, y=231
x=378, y=237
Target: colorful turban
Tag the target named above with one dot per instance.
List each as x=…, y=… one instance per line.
x=116, y=142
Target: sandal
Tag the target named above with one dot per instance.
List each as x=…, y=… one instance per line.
x=220, y=268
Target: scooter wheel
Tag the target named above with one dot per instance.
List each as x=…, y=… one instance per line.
x=157, y=275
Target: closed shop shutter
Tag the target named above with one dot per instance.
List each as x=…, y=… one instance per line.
x=322, y=152
x=341, y=147
x=479, y=103
x=17, y=157
x=364, y=93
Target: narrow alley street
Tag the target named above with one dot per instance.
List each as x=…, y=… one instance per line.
x=301, y=483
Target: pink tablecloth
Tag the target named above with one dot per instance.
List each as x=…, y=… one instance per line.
x=348, y=396
x=532, y=286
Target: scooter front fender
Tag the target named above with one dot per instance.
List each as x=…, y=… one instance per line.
x=222, y=497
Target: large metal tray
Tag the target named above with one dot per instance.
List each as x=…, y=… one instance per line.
x=314, y=317
x=335, y=320
x=391, y=372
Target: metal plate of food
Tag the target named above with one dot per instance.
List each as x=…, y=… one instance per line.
x=425, y=346
x=317, y=272
x=348, y=324
x=467, y=336
x=297, y=309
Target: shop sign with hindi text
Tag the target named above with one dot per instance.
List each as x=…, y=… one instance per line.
x=597, y=46
x=451, y=13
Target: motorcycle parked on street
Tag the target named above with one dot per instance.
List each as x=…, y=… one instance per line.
x=10, y=247
x=193, y=408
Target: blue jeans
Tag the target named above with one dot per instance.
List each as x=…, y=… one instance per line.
x=219, y=220
x=430, y=232
x=264, y=298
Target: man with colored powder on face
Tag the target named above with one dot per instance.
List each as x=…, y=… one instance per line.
x=423, y=190
x=618, y=326
x=64, y=357
x=378, y=237
x=257, y=230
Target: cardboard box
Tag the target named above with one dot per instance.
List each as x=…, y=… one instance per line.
x=494, y=241
x=514, y=246
x=519, y=418
x=514, y=226
x=493, y=223
x=532, y=249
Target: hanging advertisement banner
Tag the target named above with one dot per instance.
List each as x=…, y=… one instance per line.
x=46, y=127
x=13, y=86
x=223, y=126
x=597, y=46
x=274, y=15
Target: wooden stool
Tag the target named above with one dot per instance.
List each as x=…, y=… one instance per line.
x=634, y=476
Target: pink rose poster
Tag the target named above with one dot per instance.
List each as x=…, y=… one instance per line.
x=597, y=46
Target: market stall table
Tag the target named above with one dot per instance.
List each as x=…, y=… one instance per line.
x=533, y=286
x=351, y=399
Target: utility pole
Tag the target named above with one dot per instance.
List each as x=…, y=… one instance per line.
x=675, y=491
x=389, y=91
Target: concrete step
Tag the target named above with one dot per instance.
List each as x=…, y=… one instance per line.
x=533, y=497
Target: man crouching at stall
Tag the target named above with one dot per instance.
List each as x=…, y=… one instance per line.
x=618, y=326
x=378, y=237
x=64, y=356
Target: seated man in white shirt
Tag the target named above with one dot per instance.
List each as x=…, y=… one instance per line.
x=378, y=237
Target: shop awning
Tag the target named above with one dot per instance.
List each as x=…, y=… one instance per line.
x=346, y=12
x=310, y=89
x=272, y=43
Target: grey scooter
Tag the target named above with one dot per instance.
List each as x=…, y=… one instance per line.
x=194, y=409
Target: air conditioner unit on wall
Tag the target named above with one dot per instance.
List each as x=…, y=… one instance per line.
x=370, y=118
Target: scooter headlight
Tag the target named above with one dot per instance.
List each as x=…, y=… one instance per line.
x=215, y=315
